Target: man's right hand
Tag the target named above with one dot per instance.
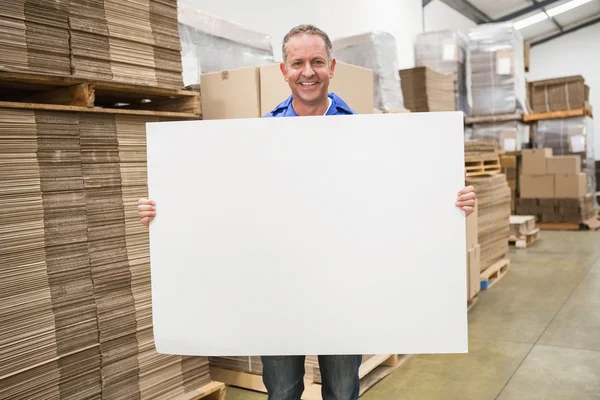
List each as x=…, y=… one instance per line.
x=146, y=211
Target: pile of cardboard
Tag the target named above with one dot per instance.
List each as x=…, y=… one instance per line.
x=131, y=42
x=493, y=198
x=554, y=188
x=445, y=52
x=511, y=167
x=473, y=255
x=34, y=36
x=426, y=90
x=76, y=285
x=557, y=94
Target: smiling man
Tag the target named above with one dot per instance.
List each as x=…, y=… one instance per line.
x=308, y=67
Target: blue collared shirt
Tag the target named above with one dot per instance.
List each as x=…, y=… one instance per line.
x=285, y=109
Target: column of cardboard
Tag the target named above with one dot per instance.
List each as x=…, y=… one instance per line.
x=473, y=254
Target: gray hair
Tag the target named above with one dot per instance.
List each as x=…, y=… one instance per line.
x=309, y=30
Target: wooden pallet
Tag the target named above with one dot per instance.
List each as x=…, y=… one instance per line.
x=591, y=224
x=211, y=391
x=371, y=371
x=493, y=274
x=472, y=302
x=68, y=93
x=482, y=165
x=578, y=112
x=494, y=118
x=523, y=242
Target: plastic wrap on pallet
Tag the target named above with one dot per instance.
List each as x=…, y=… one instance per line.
x=376, y=51
x=496, y=70
x=210, y=44
x=509, y=136
x=446, y=52
x=570, y=136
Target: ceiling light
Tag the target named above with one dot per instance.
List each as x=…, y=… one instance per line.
x=534, y=19
x=566, y=7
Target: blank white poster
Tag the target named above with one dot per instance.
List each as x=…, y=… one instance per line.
x=308, y=235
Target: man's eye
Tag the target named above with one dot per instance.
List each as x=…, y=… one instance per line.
x=319, y=62
x=296, y=64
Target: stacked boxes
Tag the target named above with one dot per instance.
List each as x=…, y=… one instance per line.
x=473, y=255
x=511, y=167
x=445, y=52
x=426, y=90
x=553, y=187
x=493, y=220
x=556, y=94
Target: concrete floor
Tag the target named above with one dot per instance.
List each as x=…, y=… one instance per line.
x=534, y=335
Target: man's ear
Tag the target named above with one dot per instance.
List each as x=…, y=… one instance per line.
x=332, y=68
x=283, y=71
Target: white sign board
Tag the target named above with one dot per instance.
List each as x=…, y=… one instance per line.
x=308, y=235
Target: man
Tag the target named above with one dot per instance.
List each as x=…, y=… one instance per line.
x=308, y=67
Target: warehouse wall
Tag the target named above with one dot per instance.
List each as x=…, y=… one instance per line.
x=577, y=53
x=401, y=18
x=438, y=16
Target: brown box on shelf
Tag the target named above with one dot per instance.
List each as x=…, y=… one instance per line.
x=569, y=165
x=570, y=186
x=537, y=186
x=534, y=161
x=565, y=93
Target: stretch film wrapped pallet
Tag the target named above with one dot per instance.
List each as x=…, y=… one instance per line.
x=496, y=69
x=445, y=52
x=376, y=51
x=211, y=44
x=509, y=136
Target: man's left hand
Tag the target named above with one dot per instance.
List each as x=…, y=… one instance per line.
x=466, y=200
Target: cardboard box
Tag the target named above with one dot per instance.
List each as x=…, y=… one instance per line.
x=473, y=272
x=534, y=161
x=570, y=186
x=565, y=93
x=472, y=228
x=563, y=165
x=231, y=94
x=353, y=84
x=537, y=186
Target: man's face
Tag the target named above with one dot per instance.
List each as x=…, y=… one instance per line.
x=307, y=68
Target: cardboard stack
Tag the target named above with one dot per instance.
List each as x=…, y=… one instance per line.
x=76, y=263
x=557, y=94
x=511, y=167
x=254, y=91
x=553, y=188
x=34, y=36
x=426, y=90
x=493, y=198
x=473, y=254
x=445, y=52
x=497, y=72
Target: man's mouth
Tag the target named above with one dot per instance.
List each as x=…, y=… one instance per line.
x=308, y=83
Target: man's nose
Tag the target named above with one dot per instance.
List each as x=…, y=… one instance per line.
x=308, y=70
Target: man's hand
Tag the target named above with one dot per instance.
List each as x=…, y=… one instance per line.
x=146, y=211
x=466, y=200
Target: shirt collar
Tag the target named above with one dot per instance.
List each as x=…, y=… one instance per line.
x=337, y=105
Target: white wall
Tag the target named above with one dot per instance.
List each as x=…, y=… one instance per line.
x=577, y=53
x=437, y=16
x=339, y=18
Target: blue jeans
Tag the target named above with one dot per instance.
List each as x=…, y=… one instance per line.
x=284, y=377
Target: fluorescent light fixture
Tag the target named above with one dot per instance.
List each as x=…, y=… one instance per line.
x=566, y=7
x=534, y=19
x=539, y=17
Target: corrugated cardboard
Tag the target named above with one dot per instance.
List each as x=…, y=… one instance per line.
x=231, y=94
x=567, y=165
x=353, y=84
x=472, y=229
x=473, y=271
x=570, y=186
x=534, y=161
x=555, y=94
x=537, y=186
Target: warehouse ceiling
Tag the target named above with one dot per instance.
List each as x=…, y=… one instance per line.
x=538, y=20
